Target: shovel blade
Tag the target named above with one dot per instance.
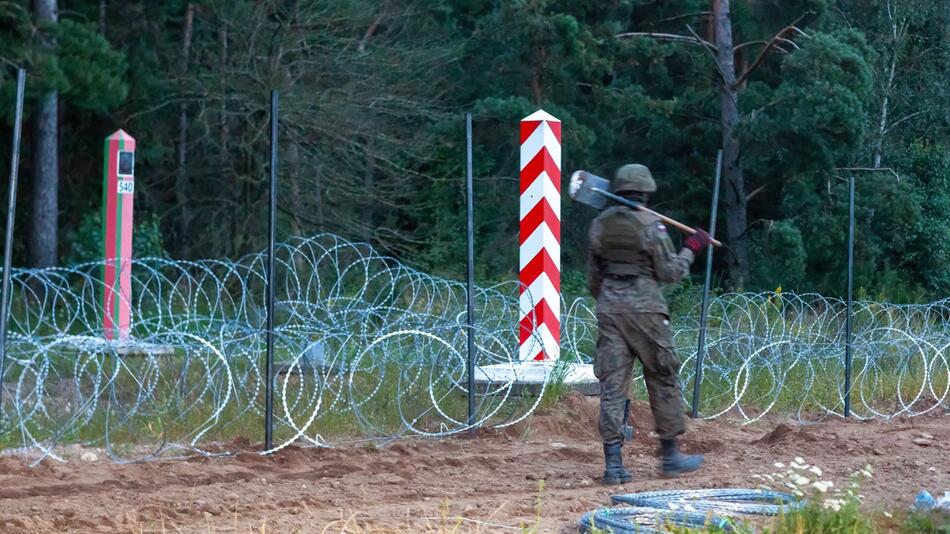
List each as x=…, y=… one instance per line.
x=582, y=188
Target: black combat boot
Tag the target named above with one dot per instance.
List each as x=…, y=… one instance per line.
x=614, y=473
x=673, y=462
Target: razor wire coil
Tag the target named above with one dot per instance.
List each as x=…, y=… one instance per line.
x=371, y=346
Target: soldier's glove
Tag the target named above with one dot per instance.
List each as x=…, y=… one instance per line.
x=698, y=241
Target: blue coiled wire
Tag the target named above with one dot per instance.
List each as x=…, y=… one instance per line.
x=643, y=520
x=645, y=512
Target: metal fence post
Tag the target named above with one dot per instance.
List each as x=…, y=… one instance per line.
x=848, y=319
x=470, y=239
x=271, y=238
x=701, y=348
x=11, y=212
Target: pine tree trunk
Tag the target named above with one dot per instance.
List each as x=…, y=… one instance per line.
x=44, y=223
x=737, y=258
x=182, y=196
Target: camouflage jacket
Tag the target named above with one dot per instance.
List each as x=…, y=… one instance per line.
x=660, y=261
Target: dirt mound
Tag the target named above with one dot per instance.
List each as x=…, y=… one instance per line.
x=776, y=435
x=574, y=416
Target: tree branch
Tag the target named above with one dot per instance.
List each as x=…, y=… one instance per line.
x=372, y=27
x=684, y=16
x=870, y=169
x=900, y=120
x=751, y=43
x=755, y=192
x=712, y=52
x=755, y=112
x=673, y=37
x=789, y=42
x=778, y=37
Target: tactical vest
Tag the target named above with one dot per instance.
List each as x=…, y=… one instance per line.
x=622, y=241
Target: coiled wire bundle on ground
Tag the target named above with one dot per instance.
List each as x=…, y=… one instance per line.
x=653, y=511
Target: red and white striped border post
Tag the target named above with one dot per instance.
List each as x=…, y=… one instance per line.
x=539, y=334
x=118, y=192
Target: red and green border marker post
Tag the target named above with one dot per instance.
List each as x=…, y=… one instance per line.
x=118, y=191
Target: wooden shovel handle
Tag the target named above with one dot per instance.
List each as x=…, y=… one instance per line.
x=675, y=223
x=636, y=205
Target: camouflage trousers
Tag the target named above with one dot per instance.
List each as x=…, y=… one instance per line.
x=622, y=339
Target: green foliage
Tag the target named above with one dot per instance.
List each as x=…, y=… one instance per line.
x=372, y=139
x=91, y=74
x=81, y=65
x=780, y=256
x=935, y=522
x=816, y=112
x=85, y=241
x=849, y=518
x=926, y=247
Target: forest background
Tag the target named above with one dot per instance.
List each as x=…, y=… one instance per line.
x=800, y=94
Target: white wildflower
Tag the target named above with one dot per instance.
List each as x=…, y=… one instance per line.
x=820, y=486
x=888, y=514
x=833, y=504
x=799, y=480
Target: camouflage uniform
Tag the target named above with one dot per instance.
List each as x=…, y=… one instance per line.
x=630, y=254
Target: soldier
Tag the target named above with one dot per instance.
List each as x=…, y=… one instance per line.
x=630, y=255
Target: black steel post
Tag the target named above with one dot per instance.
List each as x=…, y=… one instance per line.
x=848, y=318
x=470, y=239
x=701, y=348
x=11, y=212
x=271, y=238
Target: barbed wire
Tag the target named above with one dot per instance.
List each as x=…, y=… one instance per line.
x=366, y=346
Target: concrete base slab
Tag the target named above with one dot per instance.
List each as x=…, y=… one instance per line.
x=144, y=349
x=529, y=378
x=308, y=369
x=124, y=348
x=312, y=360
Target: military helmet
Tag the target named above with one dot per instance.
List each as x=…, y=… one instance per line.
x=633, y=177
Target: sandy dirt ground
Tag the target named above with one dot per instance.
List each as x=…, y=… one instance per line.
x=493, y=480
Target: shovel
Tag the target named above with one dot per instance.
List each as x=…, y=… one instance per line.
x=591, y=189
